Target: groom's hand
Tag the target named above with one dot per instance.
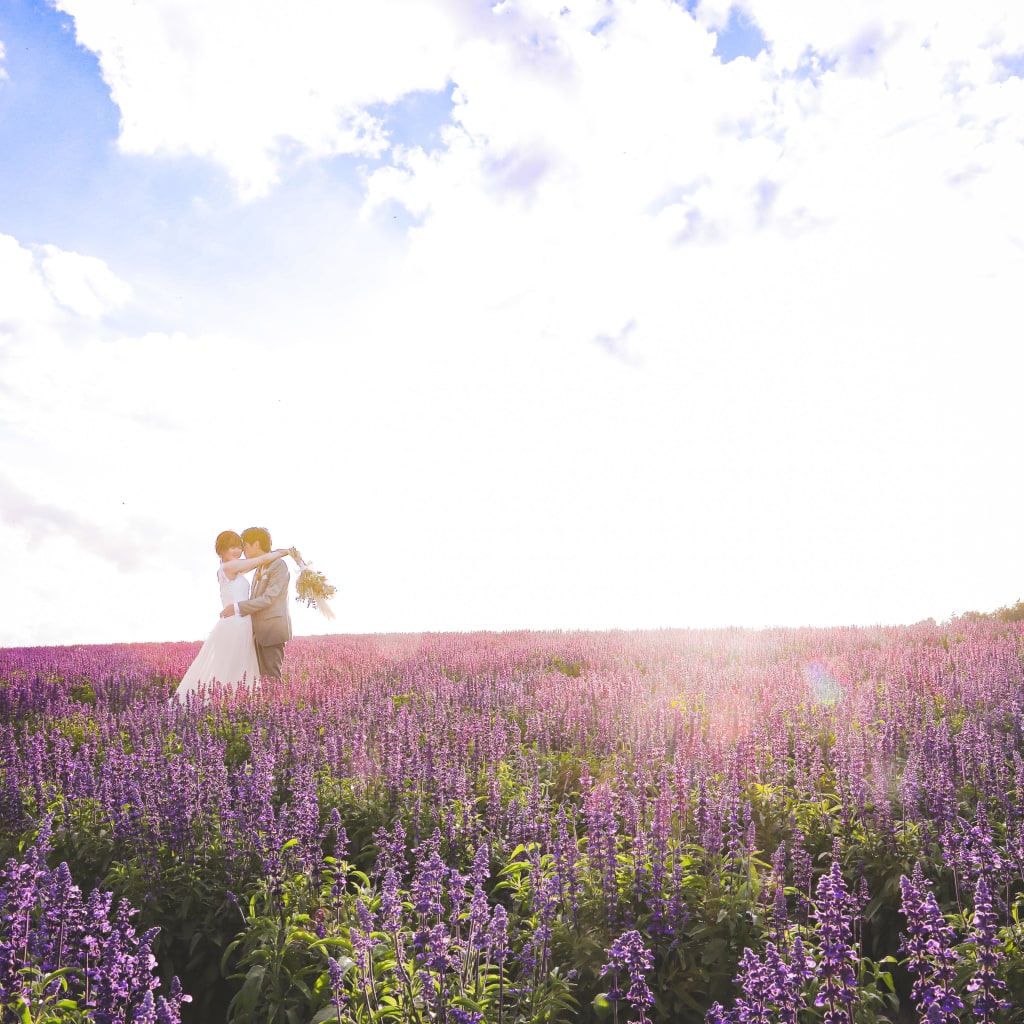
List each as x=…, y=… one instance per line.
x=228, y=611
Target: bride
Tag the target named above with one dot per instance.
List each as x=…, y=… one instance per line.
x=229, y=654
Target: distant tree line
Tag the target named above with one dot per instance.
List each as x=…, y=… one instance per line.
x=1008, y=613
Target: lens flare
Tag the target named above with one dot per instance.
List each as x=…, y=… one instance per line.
x=824, y=687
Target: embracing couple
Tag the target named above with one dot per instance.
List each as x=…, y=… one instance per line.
x=247, y=643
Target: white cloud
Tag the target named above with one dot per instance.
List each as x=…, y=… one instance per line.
x=25, y=296
x=39, y=281
x=51, y=306
x=83, y=284
x=245, y=84
x=858, y=34
x=39, y=520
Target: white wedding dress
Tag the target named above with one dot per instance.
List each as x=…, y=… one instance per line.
x=229, y=654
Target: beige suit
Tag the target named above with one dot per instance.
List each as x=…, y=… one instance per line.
x=271, y=623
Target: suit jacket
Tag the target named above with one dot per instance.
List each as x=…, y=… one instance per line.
x=268, y=605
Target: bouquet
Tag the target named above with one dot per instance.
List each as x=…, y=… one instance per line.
x=313, y=588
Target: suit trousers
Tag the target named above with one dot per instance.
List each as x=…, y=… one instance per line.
x=270, y=659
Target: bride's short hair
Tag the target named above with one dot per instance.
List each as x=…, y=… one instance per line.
x=257, y=535
x=227, y=539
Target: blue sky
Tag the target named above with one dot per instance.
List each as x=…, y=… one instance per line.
x=623, y=313
x=59, y=127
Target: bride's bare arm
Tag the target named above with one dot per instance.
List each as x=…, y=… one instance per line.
x=241, y=565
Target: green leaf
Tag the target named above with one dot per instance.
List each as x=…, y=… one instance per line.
x=244, y=1003
x=469, y=1004
x=302, y=987
x=713, y=951
x=325, y=1016
x=389, y=1012
x=346, y=963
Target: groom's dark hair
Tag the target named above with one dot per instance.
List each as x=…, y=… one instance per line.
x=257, y=535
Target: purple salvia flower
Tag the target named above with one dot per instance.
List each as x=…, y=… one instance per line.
x=61, y=917
x=168, y=1009
x=675, y=909
x=438, y=949
x=833, y=911
x=756, y=980
x=802, y=864
x=460, y=1016
x=775, y=896
x=392, y=849
x=145, y=1013
x=362, y=943
x=390, y=903
x=984, y=982
x=628, y=953
x=481, y=869
x=367, y=919
x=433, y=995
x=718, y=1015
x=602, y=832
x=771, y=988
x=338, y=872
x=565, y=850
x=801, y=963
x=931, y=957
x=427, y=887
x=336, y=977
x=340, y=835
x=788, y=980
x=498, y=937
x=479, y=918
x=458, y=891
x=984, y=856
x=733, y=843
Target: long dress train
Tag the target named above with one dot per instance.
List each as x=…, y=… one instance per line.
x=229, y=654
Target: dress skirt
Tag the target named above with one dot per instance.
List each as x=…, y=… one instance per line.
x=228, y=656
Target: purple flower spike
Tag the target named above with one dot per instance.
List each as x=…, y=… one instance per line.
x=499, y=935
x=834, y=909
x=930, y=954
x=985, y=983
x=459, y=1016
x=146, y=1012
x=772, y=988
x=718, y=1015
x=628, y=953
x=391, y=903
x=336, y=974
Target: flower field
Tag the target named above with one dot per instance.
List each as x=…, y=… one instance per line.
x=680, y=825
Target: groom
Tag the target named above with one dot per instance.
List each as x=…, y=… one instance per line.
x=267, y=604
